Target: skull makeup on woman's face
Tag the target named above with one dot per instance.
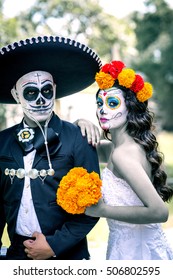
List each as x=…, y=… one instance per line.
x=111, y=108
x=36, y=93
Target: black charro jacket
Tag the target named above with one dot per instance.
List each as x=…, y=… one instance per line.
x=65, y=233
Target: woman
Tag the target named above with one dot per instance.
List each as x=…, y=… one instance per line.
x=134, y=183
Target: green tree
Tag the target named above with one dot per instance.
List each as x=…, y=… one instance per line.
x=154, y=37
x=77, y=19
x=8, y=30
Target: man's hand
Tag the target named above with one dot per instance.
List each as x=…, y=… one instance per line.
x=38, y=249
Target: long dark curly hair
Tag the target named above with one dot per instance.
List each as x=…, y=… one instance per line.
x=140, y=126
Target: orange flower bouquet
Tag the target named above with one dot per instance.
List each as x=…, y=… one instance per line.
x=78, y=190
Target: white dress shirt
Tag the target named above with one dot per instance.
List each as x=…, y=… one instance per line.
x=27, y=221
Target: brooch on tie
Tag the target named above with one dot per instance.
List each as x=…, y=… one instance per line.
x=25, y=134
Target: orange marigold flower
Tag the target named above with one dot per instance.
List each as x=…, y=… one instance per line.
x=104, y=80
x=126, y=78
x=78, y=190
x=145, y=93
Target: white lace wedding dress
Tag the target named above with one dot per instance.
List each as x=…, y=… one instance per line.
x=131, y=241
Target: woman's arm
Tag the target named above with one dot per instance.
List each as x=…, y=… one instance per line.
x=90, y=130
x=94, y=137
x=153, y=210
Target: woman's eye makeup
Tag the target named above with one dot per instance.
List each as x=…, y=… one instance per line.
x=99, y=102
x=113, y=102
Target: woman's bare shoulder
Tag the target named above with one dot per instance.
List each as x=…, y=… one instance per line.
x=131, y=157
x=104, y=149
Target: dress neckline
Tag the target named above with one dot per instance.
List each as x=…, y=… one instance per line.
x=116, y=177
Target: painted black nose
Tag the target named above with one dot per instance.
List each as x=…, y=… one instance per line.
x=40, y=101
x=102, y=112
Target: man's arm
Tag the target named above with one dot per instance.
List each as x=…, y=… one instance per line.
x=78, y=226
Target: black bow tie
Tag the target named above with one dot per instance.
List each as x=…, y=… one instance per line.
x=30, y=138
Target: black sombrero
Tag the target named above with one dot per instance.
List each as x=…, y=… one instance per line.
x=73, y=65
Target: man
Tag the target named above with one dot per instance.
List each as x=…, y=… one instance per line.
x=39, y=151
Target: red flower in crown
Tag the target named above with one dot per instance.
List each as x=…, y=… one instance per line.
x=105, y=68
x=113, y=68
x=110, y=72
x=137, y=84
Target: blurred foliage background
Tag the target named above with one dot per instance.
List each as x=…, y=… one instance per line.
x=142, y=40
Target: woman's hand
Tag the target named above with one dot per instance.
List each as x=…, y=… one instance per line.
x=90, y=130
x=96, y=210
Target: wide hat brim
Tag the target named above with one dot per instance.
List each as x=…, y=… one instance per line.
x=73, y=65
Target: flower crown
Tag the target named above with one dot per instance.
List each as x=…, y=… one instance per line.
x=127, y=78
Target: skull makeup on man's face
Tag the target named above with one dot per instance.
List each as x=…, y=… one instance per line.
x=36, y=93
x=111, y=108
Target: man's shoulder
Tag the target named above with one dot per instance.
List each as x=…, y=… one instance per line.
x=72, y=132
x=60, y=123
x=70, y=126
x=8, y=130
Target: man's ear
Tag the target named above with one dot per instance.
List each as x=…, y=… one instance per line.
x=15, y=95
x=54, y=88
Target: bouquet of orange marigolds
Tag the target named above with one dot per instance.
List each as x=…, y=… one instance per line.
x=78, y=190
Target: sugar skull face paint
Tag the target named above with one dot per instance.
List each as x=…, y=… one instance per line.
x=111, y=108
x=36, y=93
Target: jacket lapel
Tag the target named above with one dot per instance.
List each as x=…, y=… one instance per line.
x=17, y=153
